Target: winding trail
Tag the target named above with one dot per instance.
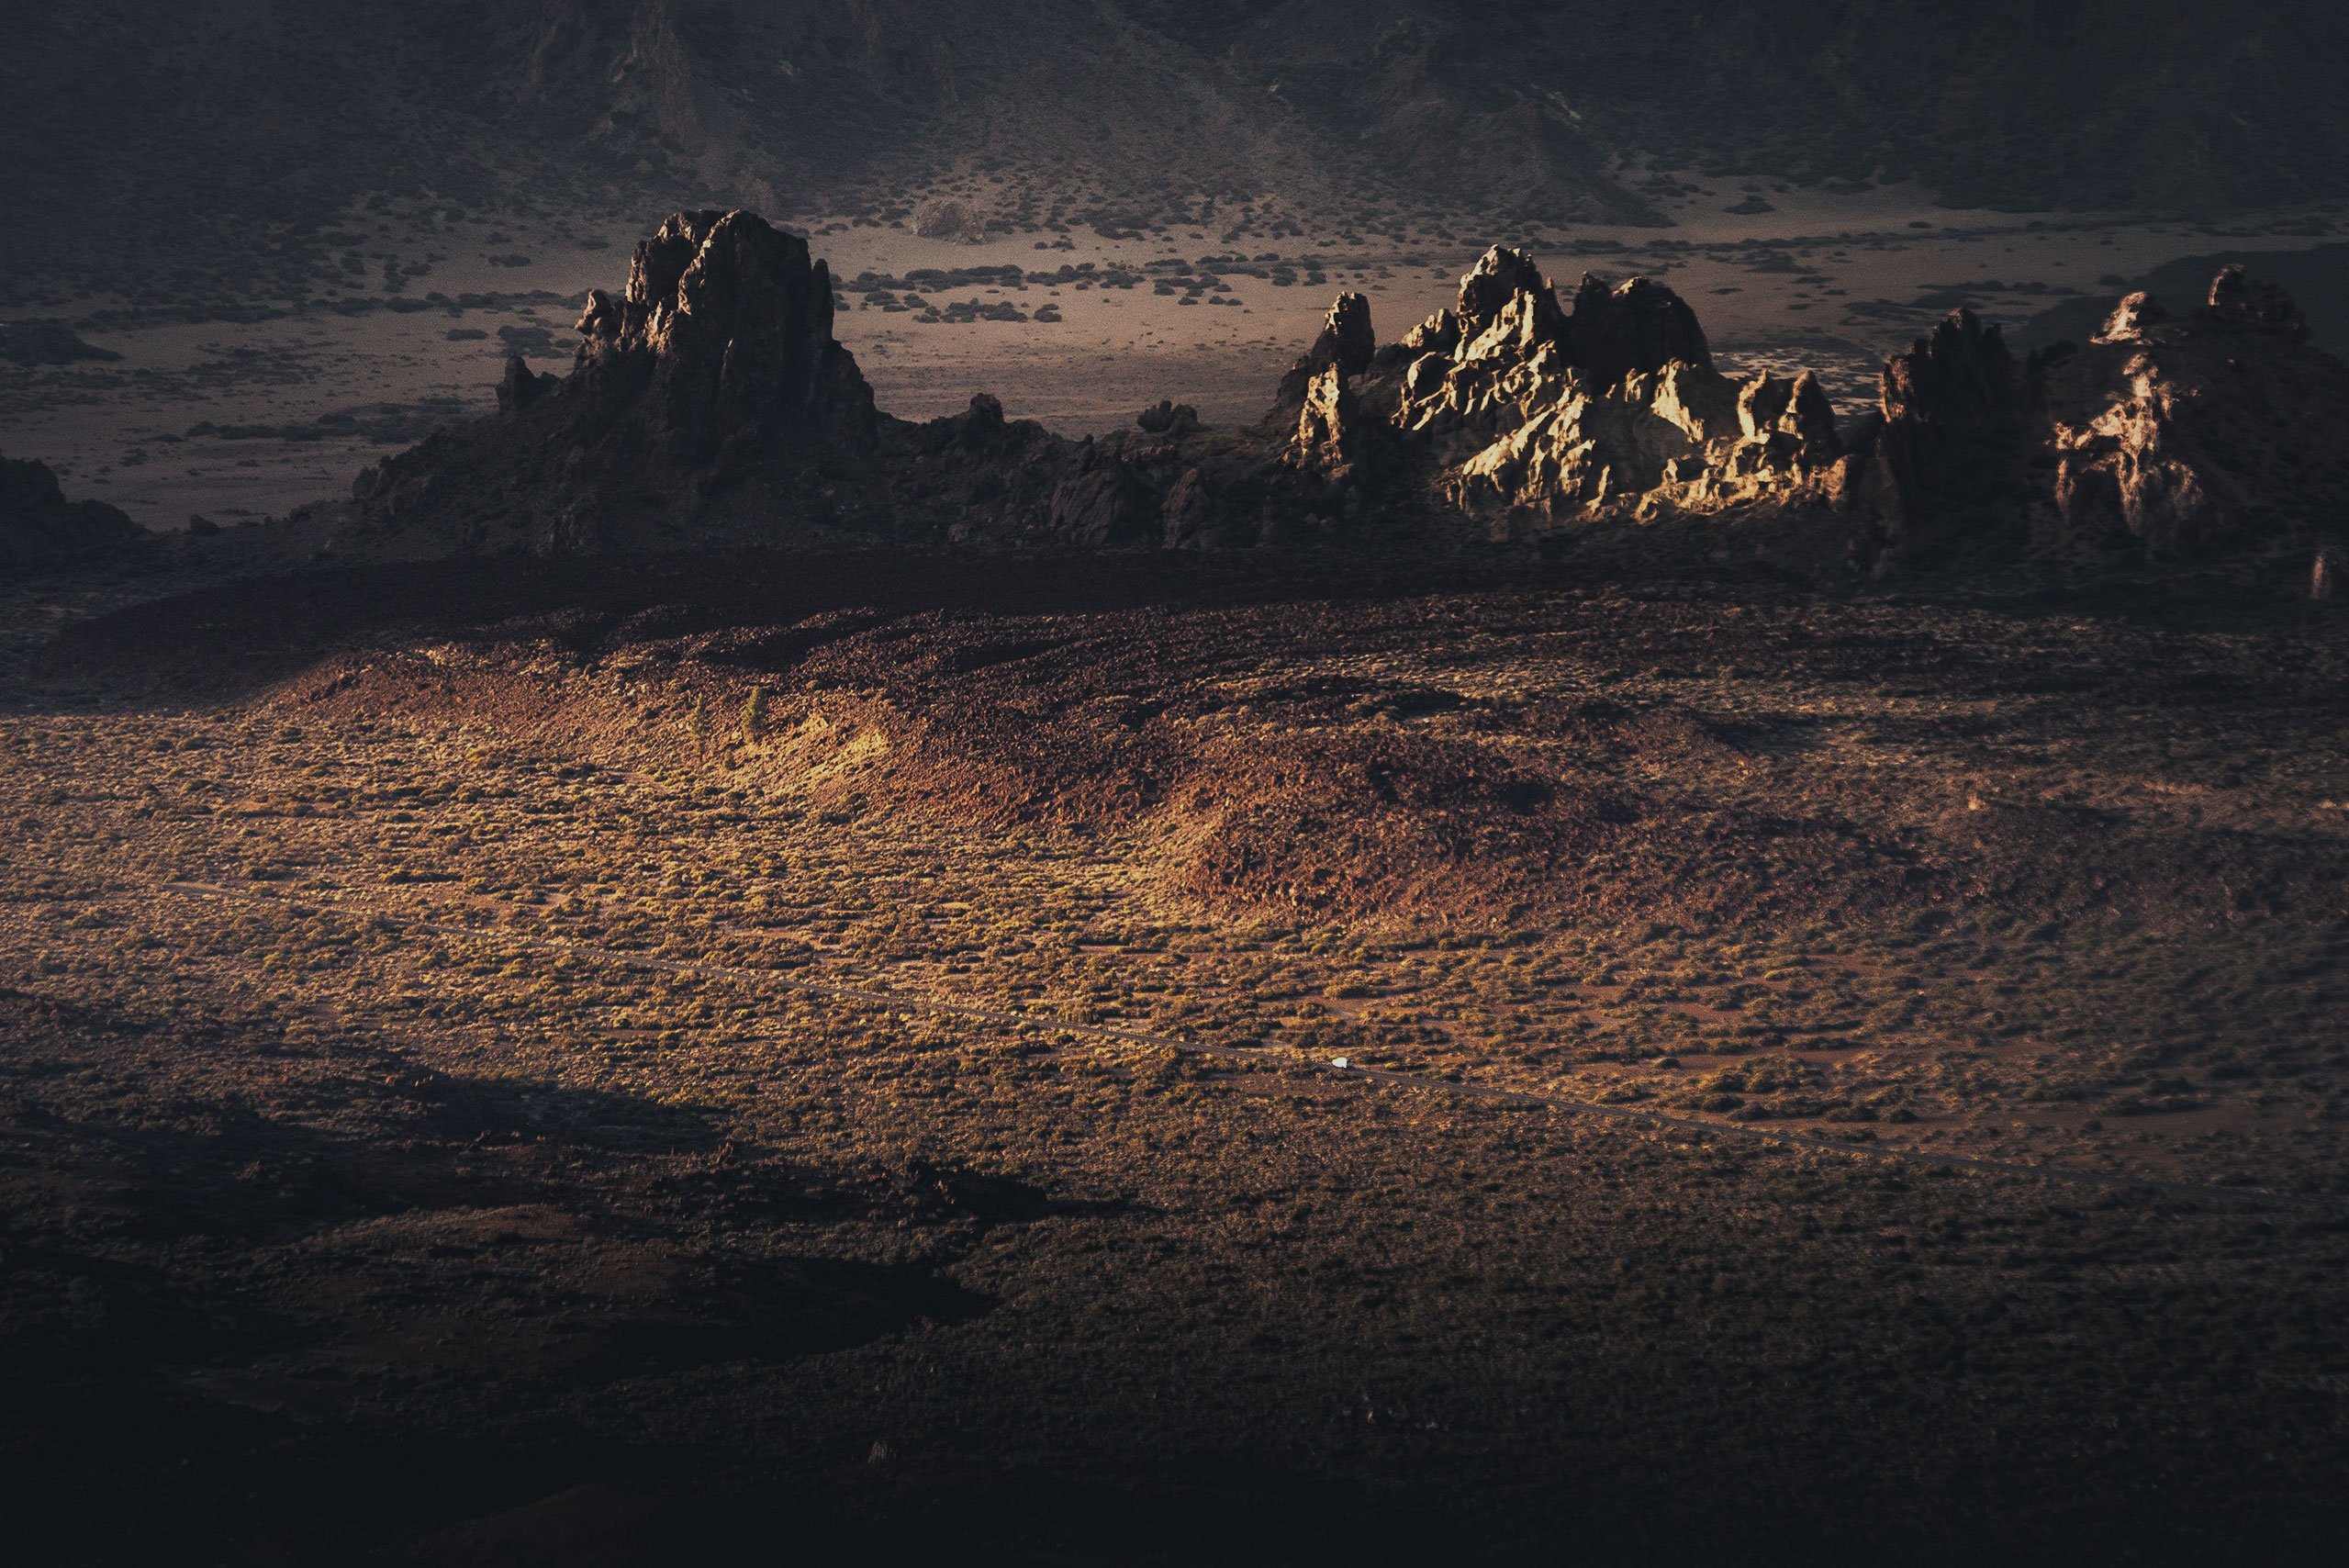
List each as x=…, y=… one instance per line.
x=1259, y=1055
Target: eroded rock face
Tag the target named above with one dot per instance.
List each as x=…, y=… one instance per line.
x=1535, y=419
x=1640, y=327
x=40, y=528
x=2183, y=436
x=725, y=336
x=1347, y=343
x=1944, y=459
x=1331, y=434
x=709, y=404
x=716, y=366
x=2163, y=438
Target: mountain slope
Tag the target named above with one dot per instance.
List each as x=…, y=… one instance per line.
x=239, y=129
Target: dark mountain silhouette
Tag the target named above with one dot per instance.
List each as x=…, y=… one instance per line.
x=249, y=129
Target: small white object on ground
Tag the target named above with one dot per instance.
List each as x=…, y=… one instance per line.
x=1341, y=1061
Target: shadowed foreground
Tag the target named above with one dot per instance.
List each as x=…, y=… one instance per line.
x=415, y=1144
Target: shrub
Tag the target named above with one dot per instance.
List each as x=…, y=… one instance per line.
x=754, y=714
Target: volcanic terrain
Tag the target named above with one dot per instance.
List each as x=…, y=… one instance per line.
x=1625, y=843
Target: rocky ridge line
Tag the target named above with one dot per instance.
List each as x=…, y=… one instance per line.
x=709, y=404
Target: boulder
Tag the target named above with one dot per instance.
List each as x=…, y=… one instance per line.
x=1168, y=418
x=40, y=528
x=47, y=343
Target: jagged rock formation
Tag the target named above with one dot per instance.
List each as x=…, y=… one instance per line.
x=1642, y=325
x=709, y=404
x=1941, y=461
x=2164, y=438
x=717, y=365
x=724, y=337
x=1348, y=343
x=2182, y=435
x=39, y=527
x=1534, y=418
x=1332, y=437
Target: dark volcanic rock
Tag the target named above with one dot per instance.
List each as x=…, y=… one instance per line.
x=522, y=386
x=1641, y=326
x=711, y=405
x=1943, y=457
x=2250, y=304
x=2184, y=436
x=1168, y=418
x=39, y=527
x=2165, y=437
x=1348, y=343
x=47, y=343
x=725, y=336
x=715, y=370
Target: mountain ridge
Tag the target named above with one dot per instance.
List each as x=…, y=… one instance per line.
x=248, y=126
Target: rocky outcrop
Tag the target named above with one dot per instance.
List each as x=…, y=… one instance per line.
x=709, y=404
x=2180, y=436
x=1348, y=343
x=724, y=340
x=717, y=368
x=1637, y=329
x=1168, y=418
x=1941, y=464
x=520, y=386
x=1332, y=437
x=2164, y=438
x=1535, y=419
x=47, y=343
x=40, y=528
x=1683, y=439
